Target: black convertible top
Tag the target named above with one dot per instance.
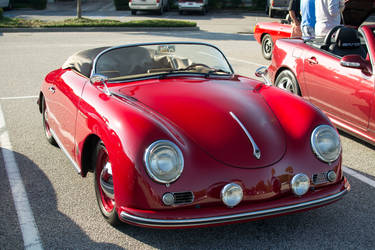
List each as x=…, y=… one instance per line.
x=82, y=61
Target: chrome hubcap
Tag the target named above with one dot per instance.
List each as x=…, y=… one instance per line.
x=106, y=181
x=267, y=46
x=287, y=84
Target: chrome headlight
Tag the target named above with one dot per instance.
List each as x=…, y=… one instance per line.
x=300, y=184
x=325, y=143
x=231, y=194
x=164, y=161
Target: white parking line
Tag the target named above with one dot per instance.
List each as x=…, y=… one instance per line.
x=359, y=176
x=18, y=97
x=30, y=234
x=244, y=61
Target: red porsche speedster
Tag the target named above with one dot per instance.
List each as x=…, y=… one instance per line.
x=176, y=139
x=335, y=73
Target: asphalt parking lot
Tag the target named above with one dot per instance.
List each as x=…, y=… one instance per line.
x=63, y=204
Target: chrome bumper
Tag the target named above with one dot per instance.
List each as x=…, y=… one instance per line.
x=231, y=218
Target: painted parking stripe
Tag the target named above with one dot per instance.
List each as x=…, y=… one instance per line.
x=244, y=61
x=359, y=176
x=18, y=97
x=26, y=219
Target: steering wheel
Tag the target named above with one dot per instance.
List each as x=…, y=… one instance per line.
x=327, y=39
x=195, y=65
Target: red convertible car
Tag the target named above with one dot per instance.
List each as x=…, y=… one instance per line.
x=266, y=33
x=334, y=73
x=176, y=139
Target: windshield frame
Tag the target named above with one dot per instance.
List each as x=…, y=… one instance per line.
x=161, y=74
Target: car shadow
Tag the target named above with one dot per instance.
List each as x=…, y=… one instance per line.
x=56, y=230
x=322, y=228
x=362, y=142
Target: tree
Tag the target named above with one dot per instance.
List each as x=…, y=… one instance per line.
x=79, y=9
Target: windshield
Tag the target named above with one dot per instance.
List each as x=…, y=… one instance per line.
x=161, y=59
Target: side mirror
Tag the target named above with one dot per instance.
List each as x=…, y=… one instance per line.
x=355, y=62
x=98, y=79
x=262, y=72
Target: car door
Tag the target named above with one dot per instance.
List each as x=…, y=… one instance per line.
x=345, y=94
x=64, y=96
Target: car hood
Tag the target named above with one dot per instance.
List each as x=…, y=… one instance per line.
x=226, y=118
x=357, y=11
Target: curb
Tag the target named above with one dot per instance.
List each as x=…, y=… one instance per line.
x=98, y=29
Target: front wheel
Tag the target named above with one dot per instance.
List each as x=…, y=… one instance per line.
x=287, y=81
x=103, y=182
x=267, y=46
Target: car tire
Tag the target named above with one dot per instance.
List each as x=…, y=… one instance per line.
x=106, y=204
x=287, y=81
x=267, y=46
x=46, y=127
x=134, y=12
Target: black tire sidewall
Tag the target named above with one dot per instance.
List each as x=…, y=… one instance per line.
x=264, y=53
x=290, y=75
x=111, y=217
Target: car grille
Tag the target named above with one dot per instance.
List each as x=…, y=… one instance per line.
x=183, y=197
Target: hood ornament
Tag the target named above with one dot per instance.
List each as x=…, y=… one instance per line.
x=256, y=150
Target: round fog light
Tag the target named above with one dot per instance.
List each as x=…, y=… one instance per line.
x=300, y=184
x=168, y=199
x=231, y=194
x=331, y=176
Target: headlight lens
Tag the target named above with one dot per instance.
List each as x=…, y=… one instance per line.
x=300, y=184
x=231, y=194
x=325, y=143
x=164, y=161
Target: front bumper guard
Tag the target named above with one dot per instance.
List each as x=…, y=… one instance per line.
x=234, y=217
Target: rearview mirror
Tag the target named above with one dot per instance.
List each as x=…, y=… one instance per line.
x=262, y=72
x=97, y=79
x=355, y=62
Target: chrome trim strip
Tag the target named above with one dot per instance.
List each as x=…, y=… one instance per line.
x=256, y=150
x=229, y=218
x=75, y=165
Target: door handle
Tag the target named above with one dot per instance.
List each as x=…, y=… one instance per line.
x=52, y=89
x=312, y=60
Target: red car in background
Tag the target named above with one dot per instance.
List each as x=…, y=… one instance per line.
x=335, y=73
x=175, y=139
x=267, y=33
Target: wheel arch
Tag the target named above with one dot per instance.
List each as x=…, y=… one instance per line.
x=283, y=68
x=88, y=151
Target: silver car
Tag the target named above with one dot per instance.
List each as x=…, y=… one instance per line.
x=148, y=5
x=192, y=5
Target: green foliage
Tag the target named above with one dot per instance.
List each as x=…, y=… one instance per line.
x=35, y=4
x=259, y=4
x=39, y=4
x=1, y=13
x=121, y=4
x=85, y=22
x=235, y=3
